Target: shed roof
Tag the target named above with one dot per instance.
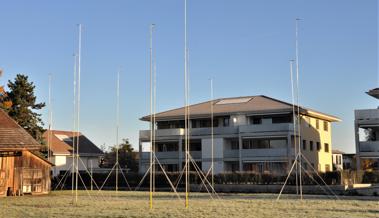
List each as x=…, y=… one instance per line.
x=13, y=136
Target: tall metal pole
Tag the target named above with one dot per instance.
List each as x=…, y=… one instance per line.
x=78, y=112
x=151, y=116
x=294, y=126
x=117, y=126
x=298, y=107
x=212, y=135
x=73, y=169
x=50, y=121
x=186, y=108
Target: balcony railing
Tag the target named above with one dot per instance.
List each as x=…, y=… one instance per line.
x=275, y=127
x=369, y=146
x=275, y=152
x=367, y=114
x=230, y=130
x=231, y=153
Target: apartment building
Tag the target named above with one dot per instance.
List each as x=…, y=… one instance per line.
x=252, y=134
x=367, y=136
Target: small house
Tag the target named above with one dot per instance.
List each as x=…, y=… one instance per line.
x=22, y=169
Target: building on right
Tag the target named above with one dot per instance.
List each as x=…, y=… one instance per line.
x=367, y=136
x=250, y=134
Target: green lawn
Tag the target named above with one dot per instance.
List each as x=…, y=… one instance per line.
x=136, y=204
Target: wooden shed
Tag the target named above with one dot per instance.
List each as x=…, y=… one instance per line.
x=22, y=169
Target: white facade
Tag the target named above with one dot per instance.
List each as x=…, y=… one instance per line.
x=64, y=163
x=337, y=161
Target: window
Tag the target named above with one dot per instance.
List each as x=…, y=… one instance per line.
x=281, y=119
x=166, y=146
x=194, y=145
x=255, y=120
x=304, y=144
x=264, y=143
x=326, y=126
x=278, y=143
x=261, y=143
x=225, y=121
x=318, y=146
x=311, y=145
x=317, y=124
x=326, y=147
x=234, y=145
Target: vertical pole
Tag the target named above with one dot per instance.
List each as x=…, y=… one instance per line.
x=186, y=106
x=50, y=117
x=78, y=114
x=294, y=127
x=298, y=108
x=117, y=126
x=212, y=135
x=151, y=117
x=73, y=130
x=91, y=176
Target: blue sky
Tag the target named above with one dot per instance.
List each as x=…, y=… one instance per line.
x=244, y=45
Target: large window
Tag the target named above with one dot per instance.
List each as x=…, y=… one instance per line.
x=194, y=145
x=255, y=120
x=318, y=146
x=264, y=143
x=175, y=124
x=166, y=146
x=282, y=119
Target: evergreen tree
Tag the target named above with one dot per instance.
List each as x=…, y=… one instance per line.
x=22, y=110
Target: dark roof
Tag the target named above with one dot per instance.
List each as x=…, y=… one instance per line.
x=249, y=104
x=62, y=143
x=374, y=93
x=13, y=136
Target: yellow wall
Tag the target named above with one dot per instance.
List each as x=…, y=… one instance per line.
x=309, y=132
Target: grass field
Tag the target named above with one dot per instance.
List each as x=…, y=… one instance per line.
x=135, y=204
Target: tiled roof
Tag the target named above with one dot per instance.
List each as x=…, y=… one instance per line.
x=62, y=143
x=13, y=136
x=227, y=106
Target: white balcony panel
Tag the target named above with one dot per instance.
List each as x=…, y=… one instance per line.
x=145, y=134
x=279, y=127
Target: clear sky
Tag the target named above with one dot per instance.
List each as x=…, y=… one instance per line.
x=244, y=45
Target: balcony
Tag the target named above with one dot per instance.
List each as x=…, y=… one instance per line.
x=167, y=155
x=278, y=127
x=367, y=116
x=216, y=131
x=231, y=153
x=276, y=152
x=369, y=146
x=145, y=134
